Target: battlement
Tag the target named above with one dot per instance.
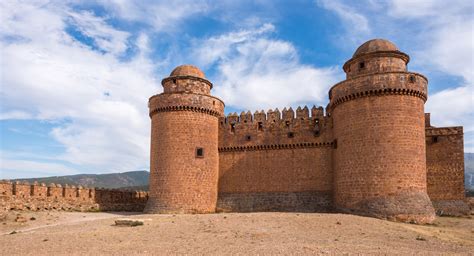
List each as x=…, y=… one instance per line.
x=308, y=158
x=38, y=196
x=443, y=131
x=274, y=127
x=274, y=115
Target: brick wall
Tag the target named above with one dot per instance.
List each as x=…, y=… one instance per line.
x=179, y=180
x=184, y=118
x=380, y=166
x=275, y=161
x=445, y=169
x=275, y=127
x=277, y=179
x=36, y=197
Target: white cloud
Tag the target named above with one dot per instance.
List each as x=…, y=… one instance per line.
x=106, y=38
x=255, y=71
x=439, y=37
x=434, y=9
x=446, y=45
x=355, y=22
x=48, y=75
x=448, y=107
x=15, y=114
x=161, y=15
x=216, y=48
x=11, y=168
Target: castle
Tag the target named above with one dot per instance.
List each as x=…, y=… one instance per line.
x=371, y=152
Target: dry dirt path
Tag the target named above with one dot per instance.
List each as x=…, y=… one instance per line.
x=232, y=233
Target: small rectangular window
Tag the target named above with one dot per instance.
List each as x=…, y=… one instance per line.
x=199, y=152
x=291, y=135
x=361, y=65
x=260, y=126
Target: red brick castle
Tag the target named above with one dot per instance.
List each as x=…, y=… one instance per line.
x=372, y=152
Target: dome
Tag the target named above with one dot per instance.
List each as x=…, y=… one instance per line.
x=375, y=45
x=187, y=70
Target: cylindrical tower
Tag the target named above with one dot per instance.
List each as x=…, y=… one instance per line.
x=184, y=161
x=378, y=118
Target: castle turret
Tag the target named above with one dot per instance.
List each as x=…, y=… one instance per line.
x=378, y=118
x=184, y=161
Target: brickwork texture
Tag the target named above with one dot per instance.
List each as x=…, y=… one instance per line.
x=371, y=152
x=39, y=197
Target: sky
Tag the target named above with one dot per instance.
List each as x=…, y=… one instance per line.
x=75, y=76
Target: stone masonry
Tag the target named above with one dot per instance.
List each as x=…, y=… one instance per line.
x=38, y=197
x=372, y=151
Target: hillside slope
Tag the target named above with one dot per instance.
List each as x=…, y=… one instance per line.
x=137, y=179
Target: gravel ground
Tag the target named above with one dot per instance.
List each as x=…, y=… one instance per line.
x=75, y=233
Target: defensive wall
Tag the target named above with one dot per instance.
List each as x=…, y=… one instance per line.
x=36, y=197
x=283, y=161
x=445, y=168
x=280, y=161
x=372, y=151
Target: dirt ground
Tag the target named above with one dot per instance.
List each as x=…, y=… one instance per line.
x=75, y=233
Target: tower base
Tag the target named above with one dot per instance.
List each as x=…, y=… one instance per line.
x=155, y=207
x=411, y=207
x=451, y=208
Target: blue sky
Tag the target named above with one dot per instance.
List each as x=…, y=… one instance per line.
x=76, y=75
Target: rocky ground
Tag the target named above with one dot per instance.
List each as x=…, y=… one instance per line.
x=74, y=233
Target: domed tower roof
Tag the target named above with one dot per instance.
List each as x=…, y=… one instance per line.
x=187, y=70
x=375, y=45
x=376, y=55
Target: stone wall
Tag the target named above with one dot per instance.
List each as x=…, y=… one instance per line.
x=381, y=140
x=37, y=197
x=184, y=161
x=275, y=161
x=305, y=201
x=275, y=127
x=445, y=169
x=255, y=178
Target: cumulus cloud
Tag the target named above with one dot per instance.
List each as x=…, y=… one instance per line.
x=160, y=15
x=255, y=71
x=27, y=169
x=440, y=36
x=447, y=46
x=105, y=37
x=47, y=74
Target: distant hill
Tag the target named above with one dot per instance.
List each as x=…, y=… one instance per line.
x=469, y=171
x=134, y=180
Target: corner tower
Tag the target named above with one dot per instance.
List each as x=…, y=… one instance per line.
x=184, y=161
x=378, y=114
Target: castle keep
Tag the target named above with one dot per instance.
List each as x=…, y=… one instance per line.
x=371, y=152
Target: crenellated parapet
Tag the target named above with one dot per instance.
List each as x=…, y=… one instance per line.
x=275, y=127
x=443, y=131
x=20, y=195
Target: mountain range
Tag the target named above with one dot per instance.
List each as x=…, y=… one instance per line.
x=137, y=180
